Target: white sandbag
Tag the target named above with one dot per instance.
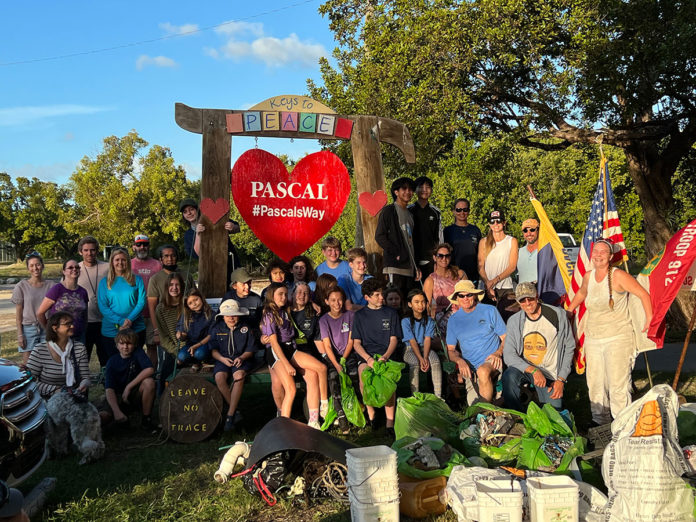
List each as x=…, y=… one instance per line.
x=643, y=464
x=235, y=456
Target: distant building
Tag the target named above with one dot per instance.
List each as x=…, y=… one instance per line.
x=8, y=253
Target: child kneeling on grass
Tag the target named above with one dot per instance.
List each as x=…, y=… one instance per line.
x=418, y=331
x=232, y=345
x=376, y=331
x=129, y=381
x=192, y=331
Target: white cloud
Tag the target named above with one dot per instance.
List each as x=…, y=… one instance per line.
x=274, y=52
x=183, y=30
x=233, y=28
x=157, y=61
x=22, y=115
x=55, y=172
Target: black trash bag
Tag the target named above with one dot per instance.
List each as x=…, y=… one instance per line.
x=268, y=475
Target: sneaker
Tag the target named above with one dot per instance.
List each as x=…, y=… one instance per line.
x=314, y=424
x=324, y=409
x=229, y=423
x=391, y=434
x=343, y=425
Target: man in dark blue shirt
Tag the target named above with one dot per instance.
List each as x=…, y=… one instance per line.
x=464, y=238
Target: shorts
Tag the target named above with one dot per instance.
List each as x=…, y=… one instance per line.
x=220, y=367
x=288, y=348
x=149, y=331
x=33, y=335
x=134, y=402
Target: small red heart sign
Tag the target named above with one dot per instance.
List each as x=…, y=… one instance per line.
x=373, y=203
x=215, y=210
x=289, y=212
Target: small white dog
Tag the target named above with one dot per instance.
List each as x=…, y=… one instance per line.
x=81, y=420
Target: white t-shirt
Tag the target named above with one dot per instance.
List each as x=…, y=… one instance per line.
x=540, y=345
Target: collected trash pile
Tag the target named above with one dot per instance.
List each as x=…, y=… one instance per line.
x=488, y=464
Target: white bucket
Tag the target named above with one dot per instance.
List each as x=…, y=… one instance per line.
x=553, y=498
x=373, y=484
x=499, y=500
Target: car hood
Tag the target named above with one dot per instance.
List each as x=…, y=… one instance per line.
x=10, y=373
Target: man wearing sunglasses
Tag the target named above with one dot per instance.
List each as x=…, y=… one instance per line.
x=527, y=259
x=479, y=331
x=538, y=350
x=464, y=238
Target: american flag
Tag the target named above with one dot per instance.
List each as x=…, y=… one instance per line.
x=598, y=226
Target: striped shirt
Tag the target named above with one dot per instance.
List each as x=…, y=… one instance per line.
x=166, y=319
x=49, y=372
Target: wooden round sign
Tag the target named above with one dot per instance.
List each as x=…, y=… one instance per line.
x=190, y=408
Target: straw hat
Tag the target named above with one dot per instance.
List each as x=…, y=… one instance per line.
x=466, y=287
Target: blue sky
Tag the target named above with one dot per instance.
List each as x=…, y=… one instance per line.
x=54, y=112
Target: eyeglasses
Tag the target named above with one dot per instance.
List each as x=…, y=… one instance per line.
x=75, y=267
x=461, y=209
x=443, y=256
x=495, y=221
x=464, y=296
x=529, y=229
x=525, y=299
x=68, y=324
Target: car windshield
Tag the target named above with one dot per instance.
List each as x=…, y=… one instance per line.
x=567, y=241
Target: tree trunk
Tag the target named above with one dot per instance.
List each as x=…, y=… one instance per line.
x=654, y=186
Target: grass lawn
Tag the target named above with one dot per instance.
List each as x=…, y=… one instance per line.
x=146, y=478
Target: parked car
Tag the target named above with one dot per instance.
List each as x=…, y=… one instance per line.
x=22, y=415
x=570, y=247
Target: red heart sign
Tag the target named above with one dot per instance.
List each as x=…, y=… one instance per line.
x=214, y=210
x=289, y=212
x=373, y=203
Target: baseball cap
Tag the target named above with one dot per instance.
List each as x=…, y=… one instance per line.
x=187, y=202
x=141, y=238
x=230, y=307
x=496, y=214
x=526, y=289
x=240, y=275
x=531, y=222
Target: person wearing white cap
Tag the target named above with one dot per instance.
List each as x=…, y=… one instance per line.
x=233, y=347
x=480, y=332
x=146, y=266
x=538, y=350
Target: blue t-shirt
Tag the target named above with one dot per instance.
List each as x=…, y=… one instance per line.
x=478, y=332
x=197, y=328
x=418, y=332
x=242, y=339
x=342, y=269
x=374, y=328
x=119, y=371
x=120, y=302
x=352, y=289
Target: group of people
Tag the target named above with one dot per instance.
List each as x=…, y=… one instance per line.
x=445, y=290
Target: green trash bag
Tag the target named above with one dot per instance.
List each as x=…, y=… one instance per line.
x=331, y=416
x=380, y=381
x=423, y=415
x=351, y=406
x=403, y=455
x=547, y=429
x=506, y=453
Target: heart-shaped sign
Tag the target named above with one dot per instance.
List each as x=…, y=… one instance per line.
x=290, y=212
x=214, y=210
x=373, y=203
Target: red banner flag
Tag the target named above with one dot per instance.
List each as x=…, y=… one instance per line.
x=665, y=273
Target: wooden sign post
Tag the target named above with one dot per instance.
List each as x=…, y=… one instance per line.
x=285, y=116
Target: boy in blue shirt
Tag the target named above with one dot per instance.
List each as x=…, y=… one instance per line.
x=352, y=282
x=376, y=331
x=331, y=249
x=128, y=379
x=233, y=345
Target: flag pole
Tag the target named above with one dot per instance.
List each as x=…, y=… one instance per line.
x=683, y=353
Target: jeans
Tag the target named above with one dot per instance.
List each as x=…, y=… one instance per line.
x=513, y=379
x=199, y=355
x=33, y=335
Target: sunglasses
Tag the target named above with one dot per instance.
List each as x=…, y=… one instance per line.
x=494, y=221
x=525, y=299
x=525, y=230
x=443, y=256
x=464, y=296
x=461, y=209
x=33, y=253
x=76, y=267
x=68, y=324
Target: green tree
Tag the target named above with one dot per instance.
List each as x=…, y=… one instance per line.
x=124, y=191
x=30, y=216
